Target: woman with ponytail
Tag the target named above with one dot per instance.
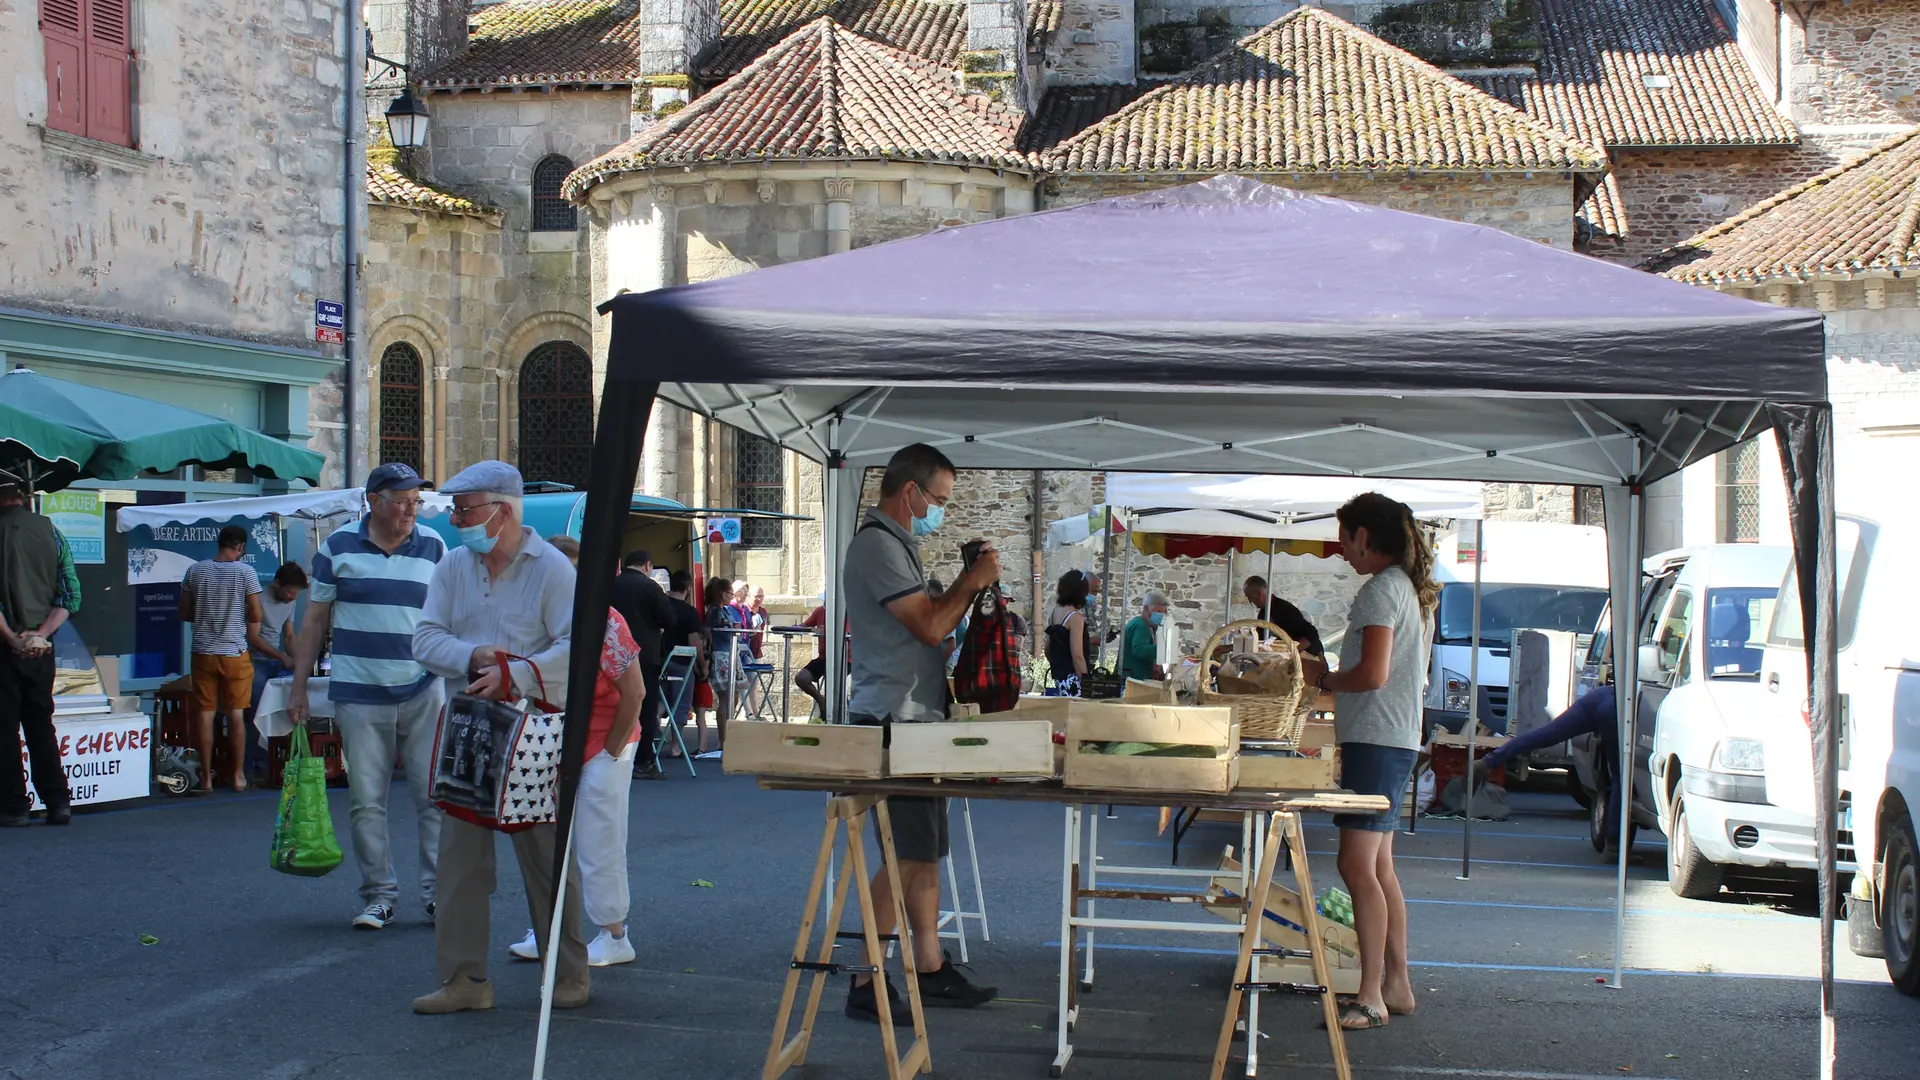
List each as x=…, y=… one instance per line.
x=1376, y=721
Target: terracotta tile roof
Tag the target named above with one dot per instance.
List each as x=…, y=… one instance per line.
x=1066, y=111
x=1312, y=93
x=932, y=31
x=543, y=42
x=824, y=92
x=1606, y=210
x=387, y=185
x=1642, y=73
x=1860, y=216
x=1043, y=21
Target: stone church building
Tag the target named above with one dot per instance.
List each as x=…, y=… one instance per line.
x=583, y=148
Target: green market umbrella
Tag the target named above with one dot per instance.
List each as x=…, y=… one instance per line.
x=53, y=432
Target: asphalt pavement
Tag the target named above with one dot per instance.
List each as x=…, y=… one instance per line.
x=252, y=974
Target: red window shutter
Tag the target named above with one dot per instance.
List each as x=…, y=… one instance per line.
x=60, y=30
x=109, y=94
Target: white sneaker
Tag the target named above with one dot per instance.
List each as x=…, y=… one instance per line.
x=606, y=950
x=375, y=917
x=527, y=948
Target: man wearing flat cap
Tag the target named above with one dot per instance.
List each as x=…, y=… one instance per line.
x=504, y=591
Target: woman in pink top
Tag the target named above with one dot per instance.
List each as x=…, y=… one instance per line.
x=600, y=813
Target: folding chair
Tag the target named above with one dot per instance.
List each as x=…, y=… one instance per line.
x=756, y=688
x=959, y=914
x=678, y=690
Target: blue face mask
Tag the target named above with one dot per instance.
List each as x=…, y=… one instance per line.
x=475, y=539
x=929, y=521
x=1155, y=618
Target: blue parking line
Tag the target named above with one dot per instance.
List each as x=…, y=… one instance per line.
x=1465, y=965
x=1498, y=904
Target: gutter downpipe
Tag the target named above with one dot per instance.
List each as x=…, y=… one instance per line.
x=354, y=178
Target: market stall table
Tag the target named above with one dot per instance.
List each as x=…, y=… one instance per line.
x=1281, y=810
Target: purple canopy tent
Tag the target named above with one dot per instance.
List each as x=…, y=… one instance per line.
x=1233, y=326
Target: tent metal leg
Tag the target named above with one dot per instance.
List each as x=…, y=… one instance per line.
x=1473, y=696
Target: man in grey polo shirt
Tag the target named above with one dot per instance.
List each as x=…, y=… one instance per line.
x=900, y=676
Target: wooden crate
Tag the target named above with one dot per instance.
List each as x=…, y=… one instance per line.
x=834, y=750
x=972, y=748
x=1212, y=726
x=1144, y=692
x=1283, y=927
x=1278, y=772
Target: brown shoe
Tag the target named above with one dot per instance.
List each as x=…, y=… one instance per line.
x=458, y=994
x=569, y=995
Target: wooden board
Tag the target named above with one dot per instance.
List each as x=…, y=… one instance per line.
x=1091, y=722
x=1277, y=772
x=1343, y=944
x=972, y=748
x=1143, y=692
x=826, y=750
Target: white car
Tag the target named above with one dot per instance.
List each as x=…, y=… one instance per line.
x=1718, y=747
x=1878, y=588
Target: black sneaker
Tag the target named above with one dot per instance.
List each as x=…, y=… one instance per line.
x=861, y=1004
x=649, y=771
x=14, y=821
x=60, y=815
x=949, y=988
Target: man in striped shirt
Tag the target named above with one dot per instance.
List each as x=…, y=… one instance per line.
x=368, y=585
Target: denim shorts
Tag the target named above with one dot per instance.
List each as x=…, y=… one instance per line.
x=1372, y=769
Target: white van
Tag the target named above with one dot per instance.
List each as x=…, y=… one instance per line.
x=1878, y=583
x=1532, y=577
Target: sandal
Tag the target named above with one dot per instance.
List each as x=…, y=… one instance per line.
x=1358, y=1017
x=1344, y=1000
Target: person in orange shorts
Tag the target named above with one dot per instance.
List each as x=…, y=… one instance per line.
x=221, y=598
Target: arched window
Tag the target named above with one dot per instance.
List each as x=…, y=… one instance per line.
x=551, y=213
x=556, y=414
x=759, y=483
x=400, y=411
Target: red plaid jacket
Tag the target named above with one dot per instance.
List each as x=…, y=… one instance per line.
x=987, y=672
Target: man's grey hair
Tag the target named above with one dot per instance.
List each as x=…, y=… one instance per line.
x=1154, y=598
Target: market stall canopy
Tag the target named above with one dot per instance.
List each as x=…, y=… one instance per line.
x=56, y=432
x=1232, y=326
x=1228, y=326
x=1294, y=498
x=1198, y=514
x=307, y=505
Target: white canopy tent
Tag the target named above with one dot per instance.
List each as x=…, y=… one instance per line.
x=311, y=505
x=1276, y=331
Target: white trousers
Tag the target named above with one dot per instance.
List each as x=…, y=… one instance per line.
x=600, y=836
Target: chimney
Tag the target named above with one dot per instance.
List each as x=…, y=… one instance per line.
x=995, y=62
x=673, y=33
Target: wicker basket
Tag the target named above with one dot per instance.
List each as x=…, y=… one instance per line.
x=1273, y=717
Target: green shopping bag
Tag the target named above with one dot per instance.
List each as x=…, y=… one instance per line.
x=303, y=840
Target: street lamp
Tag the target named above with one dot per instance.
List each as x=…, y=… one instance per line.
x=407, y=120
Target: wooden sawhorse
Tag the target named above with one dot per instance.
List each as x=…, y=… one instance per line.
x=848, y=814
x=1281, y=825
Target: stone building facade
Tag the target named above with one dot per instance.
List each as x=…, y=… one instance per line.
x=175, y=178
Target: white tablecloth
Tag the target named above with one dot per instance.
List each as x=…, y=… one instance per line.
x=272, y=718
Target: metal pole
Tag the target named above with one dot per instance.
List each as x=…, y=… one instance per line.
x=1266, y=612
x=1473, y=694
x=1106, y=590
x=1628, y=683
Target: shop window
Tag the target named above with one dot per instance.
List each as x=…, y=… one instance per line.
x=401, y=414
x=89, y=67
x=556, y=414
x=1739, y=491
x=759, y=483
x=551, y=213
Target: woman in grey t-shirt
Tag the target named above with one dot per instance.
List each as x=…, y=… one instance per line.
x=1376, y=720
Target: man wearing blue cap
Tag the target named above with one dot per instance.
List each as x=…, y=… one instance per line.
x=504, y=593
x=368, y=584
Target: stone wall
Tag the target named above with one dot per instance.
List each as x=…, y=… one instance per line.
x=434, y=281
x=1540, y=208
x=1671, y=195
x=1095, y=44
x=1856, y=63
x=226, y=216
x=477, y=294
